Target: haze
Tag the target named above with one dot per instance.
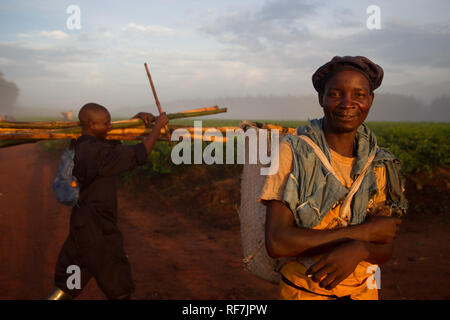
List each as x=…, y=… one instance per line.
x=254, y=57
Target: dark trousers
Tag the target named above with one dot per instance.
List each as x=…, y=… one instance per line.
x=96, y=247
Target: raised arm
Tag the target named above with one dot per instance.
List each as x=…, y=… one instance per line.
x=148, y=118
x=151, y=139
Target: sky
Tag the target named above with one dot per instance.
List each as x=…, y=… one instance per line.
x=207, y=48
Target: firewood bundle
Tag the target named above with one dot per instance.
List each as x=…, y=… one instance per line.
x=16, y=133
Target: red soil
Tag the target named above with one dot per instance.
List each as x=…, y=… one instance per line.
x=184, y=245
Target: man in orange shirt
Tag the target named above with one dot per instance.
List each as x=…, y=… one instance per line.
x=329, y=251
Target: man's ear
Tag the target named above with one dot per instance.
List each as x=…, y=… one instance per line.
x=372, y=97
x=320, y=97
x=90, y=124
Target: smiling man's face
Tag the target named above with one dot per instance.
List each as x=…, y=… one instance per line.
x=346, y=101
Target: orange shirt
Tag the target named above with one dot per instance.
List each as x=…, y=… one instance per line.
x=356, y=283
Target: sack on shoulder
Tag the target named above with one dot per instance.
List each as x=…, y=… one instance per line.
x=252, y=214
x=65, y=186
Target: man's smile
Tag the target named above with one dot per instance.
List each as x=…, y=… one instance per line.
x=346, y=116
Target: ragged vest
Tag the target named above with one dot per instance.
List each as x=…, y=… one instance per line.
x=311, y=191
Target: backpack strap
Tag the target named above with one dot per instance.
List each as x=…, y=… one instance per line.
x=345, y=211
x=319, y=153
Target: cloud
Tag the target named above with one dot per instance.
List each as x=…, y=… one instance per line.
x=292, y=29
x=276, y=22
x=94, y=79
x=26, y=61
x=151, y=29
x=4, y=61
x=21, y=51
x=55, y=34
x=96, y=35
x=285, y=10
x=408, y=44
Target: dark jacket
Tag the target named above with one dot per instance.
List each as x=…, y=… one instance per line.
x=97, y=165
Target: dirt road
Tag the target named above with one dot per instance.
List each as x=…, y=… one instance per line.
x=173, y=255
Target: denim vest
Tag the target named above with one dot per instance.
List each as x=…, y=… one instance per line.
x=311, y=191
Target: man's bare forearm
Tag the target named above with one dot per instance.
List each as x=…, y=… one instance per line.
x=151, y=139
x=285, y=239
x=377, y=253
x=296, y=241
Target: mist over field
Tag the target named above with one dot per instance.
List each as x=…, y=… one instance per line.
x=255, y=57
x=9, y=92
x=386, y=107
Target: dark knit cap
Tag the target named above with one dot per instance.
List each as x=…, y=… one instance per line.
x=373, y=72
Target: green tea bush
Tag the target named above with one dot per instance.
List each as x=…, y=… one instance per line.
x=158, y=163
x=419, y=146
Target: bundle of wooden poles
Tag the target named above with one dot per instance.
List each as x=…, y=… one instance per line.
x=15, y=133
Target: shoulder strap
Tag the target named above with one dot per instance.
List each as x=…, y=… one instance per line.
x=319, y=153
x=345, y=212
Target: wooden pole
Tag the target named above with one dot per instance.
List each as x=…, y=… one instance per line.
x=112, y=135
x=42, y=125
x=156, y=99
x=39, y=124
x=11, y=140
x=201, y=109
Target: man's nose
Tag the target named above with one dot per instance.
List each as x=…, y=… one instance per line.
x=347, y=102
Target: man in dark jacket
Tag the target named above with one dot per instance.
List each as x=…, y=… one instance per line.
x=94, y=244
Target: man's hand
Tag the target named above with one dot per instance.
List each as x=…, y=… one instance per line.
x=146, y=117
x=162, y=120
x=337, y=265
x=151, y=139
x=381, y=229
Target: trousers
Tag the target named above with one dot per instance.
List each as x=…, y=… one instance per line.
x=96, y=248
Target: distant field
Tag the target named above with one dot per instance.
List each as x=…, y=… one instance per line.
x=420, y=146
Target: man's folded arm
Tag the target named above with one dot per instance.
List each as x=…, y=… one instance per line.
x=285, y=239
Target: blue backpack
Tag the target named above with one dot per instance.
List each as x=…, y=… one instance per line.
x=65, y=186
